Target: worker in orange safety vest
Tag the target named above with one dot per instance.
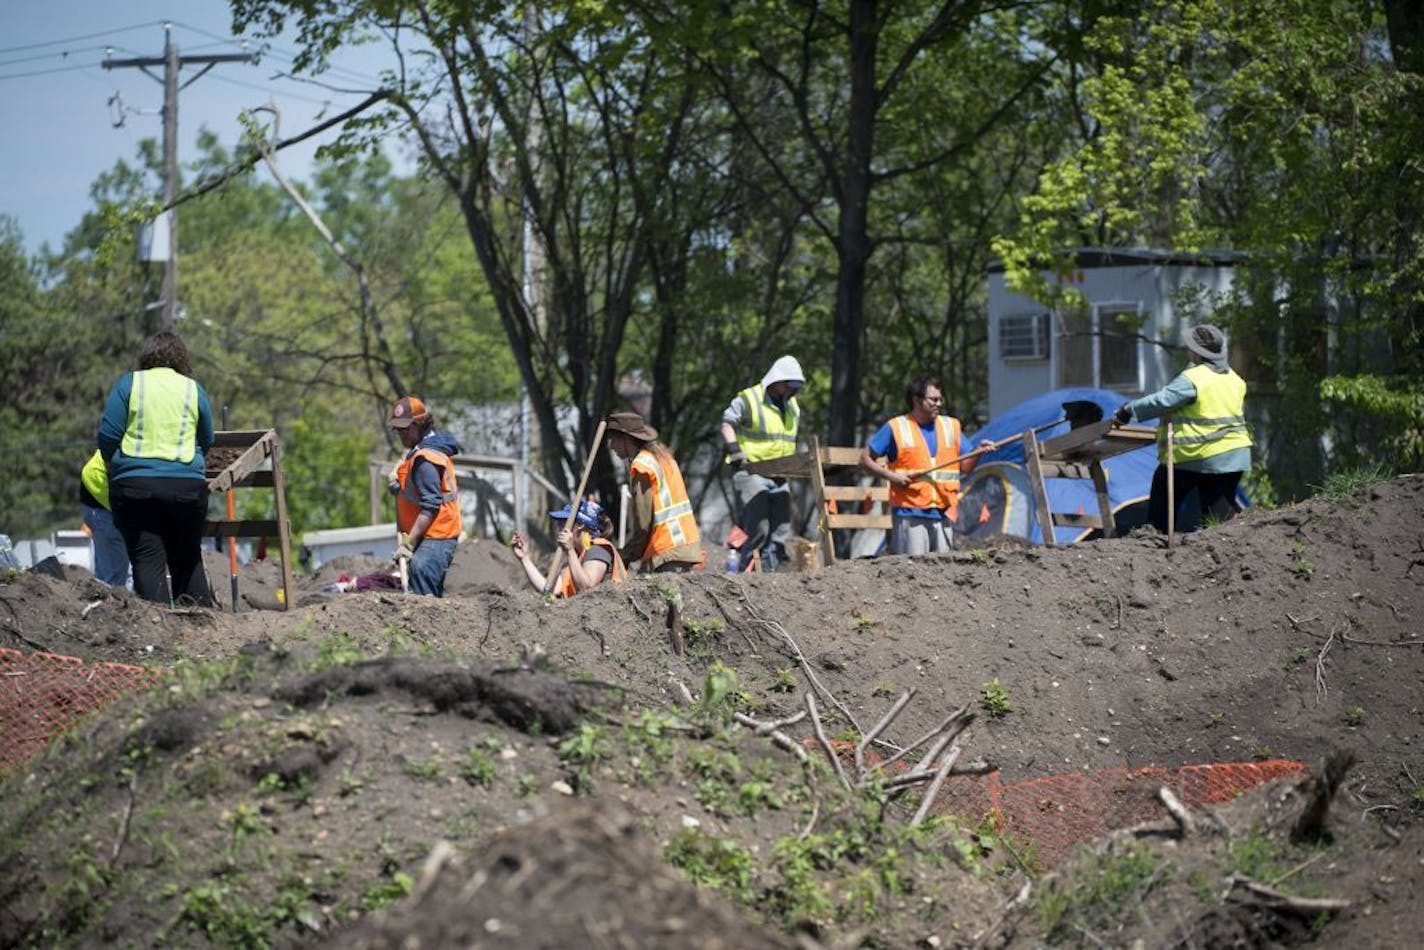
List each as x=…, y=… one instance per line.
x=591, y=555
x=924, y=489
x=664, y=536
x=427, y=499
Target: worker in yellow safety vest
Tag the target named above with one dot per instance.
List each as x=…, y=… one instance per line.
x=758, y=425
x=111, y=557
x=428, y=522
x=1211, y=447
x=919, y=449
x=664, y=536
x=153, y=438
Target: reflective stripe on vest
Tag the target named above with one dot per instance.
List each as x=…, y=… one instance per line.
x=617, y=570
x=447, y=522
x=768, y=433
x=938, y=489
x=95, y=478
x=1213, y=423
x=163, y=416
x=673, y=521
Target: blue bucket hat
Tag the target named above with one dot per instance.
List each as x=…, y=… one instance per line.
x=590, y=514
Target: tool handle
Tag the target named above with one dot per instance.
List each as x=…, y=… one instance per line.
x=978, y=452
x=578, y=500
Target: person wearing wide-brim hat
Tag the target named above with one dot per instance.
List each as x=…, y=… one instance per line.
x=664, y=535
x=1211, y=448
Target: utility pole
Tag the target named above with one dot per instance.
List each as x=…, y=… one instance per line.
x=172, y=63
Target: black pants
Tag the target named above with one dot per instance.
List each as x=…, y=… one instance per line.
x=162, y=520
x=1215, y=490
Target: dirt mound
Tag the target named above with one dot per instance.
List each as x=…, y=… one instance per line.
x=304, y=764
x=581, y=878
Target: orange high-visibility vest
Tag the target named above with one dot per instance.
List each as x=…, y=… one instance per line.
x=673, y=522
x=565, y=586
x=939, y=489
x=447, y=522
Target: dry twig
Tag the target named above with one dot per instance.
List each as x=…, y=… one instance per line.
x=1320, y=687
x=777, y=736
x=1277, y=900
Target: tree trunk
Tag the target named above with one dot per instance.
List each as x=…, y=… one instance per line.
x=852, y=238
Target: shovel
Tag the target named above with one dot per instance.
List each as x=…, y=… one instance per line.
x=573, y=508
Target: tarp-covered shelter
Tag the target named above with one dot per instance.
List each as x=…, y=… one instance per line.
x=997, y=498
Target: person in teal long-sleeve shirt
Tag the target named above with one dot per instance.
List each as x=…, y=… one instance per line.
x=154, y=434
x=1211, y=448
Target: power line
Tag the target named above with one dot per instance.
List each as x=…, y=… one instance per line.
x=49, y=72
x=77, y=39
x=41, y=56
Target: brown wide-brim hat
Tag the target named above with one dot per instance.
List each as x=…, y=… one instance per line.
x=630, y=423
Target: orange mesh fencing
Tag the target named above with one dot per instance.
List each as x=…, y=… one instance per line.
x=1054, y=815
x=1058, y=813
x=43, y=694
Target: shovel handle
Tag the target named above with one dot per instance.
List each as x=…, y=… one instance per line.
x=980, y=451
x=578, y=500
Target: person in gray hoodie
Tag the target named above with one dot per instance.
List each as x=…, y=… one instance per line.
x=758, y=425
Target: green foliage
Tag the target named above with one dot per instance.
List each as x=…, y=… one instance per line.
x=1355, y=716
x=479, y=766
x=994, y=698
x=427, y=770
x=1346, y=485
x=714, y=861
x=582, y=752
x=336, y=649
x=1096, y=890
x=386, y=892
x=1301, y=566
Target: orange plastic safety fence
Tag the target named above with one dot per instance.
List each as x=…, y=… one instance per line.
x=42, y=694
x=1058, y=813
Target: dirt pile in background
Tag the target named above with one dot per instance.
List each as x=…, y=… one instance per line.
x=1284, y=634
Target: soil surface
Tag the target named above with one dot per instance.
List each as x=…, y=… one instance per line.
x=493, y=768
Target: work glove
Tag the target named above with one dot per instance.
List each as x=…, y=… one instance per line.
x=403, y=547
x=736, y=458
x=393, y=477
x=1123, y=415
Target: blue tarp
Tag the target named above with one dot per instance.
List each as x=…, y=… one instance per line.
x=1129, y=474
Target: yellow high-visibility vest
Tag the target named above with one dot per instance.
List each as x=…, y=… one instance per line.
x=768, y=433
x=163, y=416
x=1212, y=424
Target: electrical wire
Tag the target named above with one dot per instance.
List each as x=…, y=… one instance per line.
x=78, y=39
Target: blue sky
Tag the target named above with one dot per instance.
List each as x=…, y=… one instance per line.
x=58, y=119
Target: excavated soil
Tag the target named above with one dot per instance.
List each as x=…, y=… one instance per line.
x=372, y=769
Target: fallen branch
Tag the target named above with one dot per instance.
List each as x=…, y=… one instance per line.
x=1185, y=825
x=777, y=736
x=1320, y=687
x=826, y=743
x=1278, y=900
x=124, y=825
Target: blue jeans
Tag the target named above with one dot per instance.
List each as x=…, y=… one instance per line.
x=429, y=564
x=111, y=558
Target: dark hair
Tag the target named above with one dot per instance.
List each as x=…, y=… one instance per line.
x=917, y=387
x=164, y=349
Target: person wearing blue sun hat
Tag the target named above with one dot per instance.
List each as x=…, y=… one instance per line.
x=588, y=547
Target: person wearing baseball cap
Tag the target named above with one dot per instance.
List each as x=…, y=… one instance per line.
x=591, y=555
x=664, y=536
x=758, y=425
x=1211, y=449
x=427, y=499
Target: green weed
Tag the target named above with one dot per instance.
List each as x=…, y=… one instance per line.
x=427, y=770
x=337, y=649
x=479, y=766
x=995, y=699
x=387, y=892
x=1355, y=716
x=785, y=681
x=715, y=862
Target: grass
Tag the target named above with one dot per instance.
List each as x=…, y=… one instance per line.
x=1095, y=894
x=1344, y=485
